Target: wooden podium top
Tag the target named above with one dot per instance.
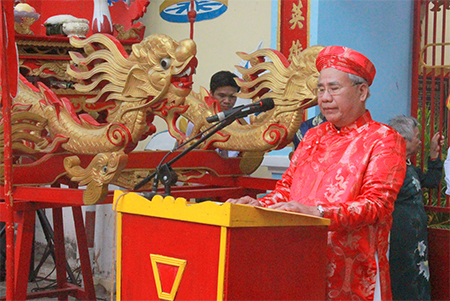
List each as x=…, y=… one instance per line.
x=211, y=213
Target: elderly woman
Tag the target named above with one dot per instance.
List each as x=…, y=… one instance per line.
x=408, y=251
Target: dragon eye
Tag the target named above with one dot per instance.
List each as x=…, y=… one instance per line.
x=165, y=63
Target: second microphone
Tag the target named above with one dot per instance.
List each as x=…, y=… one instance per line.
x=263, y=105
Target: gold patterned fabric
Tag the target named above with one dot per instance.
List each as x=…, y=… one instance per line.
x=355, y=173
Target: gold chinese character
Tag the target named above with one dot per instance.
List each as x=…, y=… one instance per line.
x=297, y=16
x=295, y=50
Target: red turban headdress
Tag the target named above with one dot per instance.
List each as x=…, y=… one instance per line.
x=347, y=60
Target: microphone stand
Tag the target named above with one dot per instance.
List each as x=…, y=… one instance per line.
x=164, y=172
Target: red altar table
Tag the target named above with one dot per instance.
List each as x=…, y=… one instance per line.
x=171, y=249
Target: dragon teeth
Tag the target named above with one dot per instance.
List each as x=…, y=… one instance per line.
x=186, y=73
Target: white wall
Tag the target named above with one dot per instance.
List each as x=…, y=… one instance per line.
x=240, y=28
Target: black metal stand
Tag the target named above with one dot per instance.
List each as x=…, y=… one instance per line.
x=50, y=250
x=164, y=172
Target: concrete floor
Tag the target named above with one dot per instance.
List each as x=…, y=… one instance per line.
x=101, y=293
x=46, y=279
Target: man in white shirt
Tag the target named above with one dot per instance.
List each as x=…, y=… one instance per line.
x=222, y=88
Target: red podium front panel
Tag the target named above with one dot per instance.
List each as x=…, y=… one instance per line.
x=196, y=243
x=173, y=250
x=276, y=263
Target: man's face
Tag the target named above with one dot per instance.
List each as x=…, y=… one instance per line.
x=340, y=101
x=226, y=96
x=413, y=146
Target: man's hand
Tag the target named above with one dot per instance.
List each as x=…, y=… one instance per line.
x=296, y=207
x=244, y=200
x=435, y=146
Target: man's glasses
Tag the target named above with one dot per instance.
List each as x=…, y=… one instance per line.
x=333, y=90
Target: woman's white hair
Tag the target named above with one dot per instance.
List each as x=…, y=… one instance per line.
x=404, y=125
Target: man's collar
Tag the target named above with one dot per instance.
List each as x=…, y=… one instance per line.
x=362, y=120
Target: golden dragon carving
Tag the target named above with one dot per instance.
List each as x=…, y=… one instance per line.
x=131, y=87
x=128, y=90
x=290, y=84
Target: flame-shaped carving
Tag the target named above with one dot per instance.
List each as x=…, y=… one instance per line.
x=291, y=85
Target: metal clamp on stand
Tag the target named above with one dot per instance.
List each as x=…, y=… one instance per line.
x=167, y=177
x=164, y=172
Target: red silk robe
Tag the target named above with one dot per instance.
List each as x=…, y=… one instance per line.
x=355, y=173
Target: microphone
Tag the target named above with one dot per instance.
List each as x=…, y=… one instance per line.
x=263, y=105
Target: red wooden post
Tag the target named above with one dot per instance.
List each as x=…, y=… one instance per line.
x=23, y=250
x=60, y=253
x=83, y=250
x=9, y=76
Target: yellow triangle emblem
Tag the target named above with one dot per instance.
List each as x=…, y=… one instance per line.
x=163, y=268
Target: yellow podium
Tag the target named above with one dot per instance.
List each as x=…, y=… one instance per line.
x=170, y=249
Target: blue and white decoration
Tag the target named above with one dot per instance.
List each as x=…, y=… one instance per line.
x=178, y=12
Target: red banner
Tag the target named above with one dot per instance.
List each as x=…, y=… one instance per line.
x=293, y=26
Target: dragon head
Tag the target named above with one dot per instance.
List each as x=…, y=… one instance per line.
x=157, y=68
x=163, y=68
